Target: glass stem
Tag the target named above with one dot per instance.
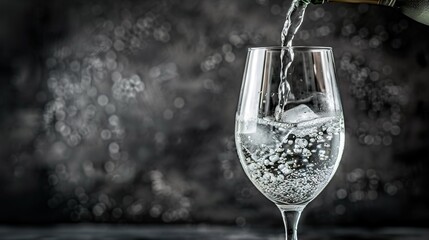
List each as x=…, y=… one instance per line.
x=291, y=214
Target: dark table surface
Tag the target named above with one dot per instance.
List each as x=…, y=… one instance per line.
x=144, y=232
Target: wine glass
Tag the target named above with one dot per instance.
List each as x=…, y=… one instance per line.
x=291, y=155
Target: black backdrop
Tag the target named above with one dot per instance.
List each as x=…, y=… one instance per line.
x=123, y=111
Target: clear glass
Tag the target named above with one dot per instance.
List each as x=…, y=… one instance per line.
x=291, y=159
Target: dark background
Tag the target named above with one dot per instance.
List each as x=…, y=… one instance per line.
x=123, y=112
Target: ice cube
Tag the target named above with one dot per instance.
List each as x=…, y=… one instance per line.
x=298, y=114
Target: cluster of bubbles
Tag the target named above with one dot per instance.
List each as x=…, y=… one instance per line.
x=92, y=84
x=364, y=185
x=377, y=95
x=98, y=94
x=133, y=31
x=373, y=84
x=295, y=163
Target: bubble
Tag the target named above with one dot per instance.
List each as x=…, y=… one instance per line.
x=109, y=166
x=114, y=120
x=126, y=89
x=105, y=134
x=113, y=147
x=119, y=31
x=301, y=142
x=226, y=48
x=390, y=189
x=111, y=64
x=102, y=100
x=98, y=209
x=357, y=196
x=374, y=42
x=323, y=31
x=395, y=130
x=155, y=211
x=341, y=193
x=369, y=140
x=274, y=158
x=179, y=102
x=161, y=35
x=119, y=45
x=230, y=57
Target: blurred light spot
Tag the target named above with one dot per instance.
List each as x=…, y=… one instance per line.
x=341, y=193
x=113, y=147
x=119, y=45
x=369, y=140
x=155, y=211
x=390, y=189
x=395, y=130
x=102, y=100
x=98, y=209
x=109, y=166
x=136, y=208
x=229, y=57
x=179, y=102
x=119, y=31
x=114, y=120
x=106, y=134
x=357, y=196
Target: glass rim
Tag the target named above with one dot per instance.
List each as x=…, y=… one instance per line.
x=298, y=48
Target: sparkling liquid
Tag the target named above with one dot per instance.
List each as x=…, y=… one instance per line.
x=290, y=163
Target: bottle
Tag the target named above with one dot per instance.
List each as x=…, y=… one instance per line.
x=415, y=9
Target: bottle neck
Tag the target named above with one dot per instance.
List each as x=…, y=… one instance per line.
x=389, y=3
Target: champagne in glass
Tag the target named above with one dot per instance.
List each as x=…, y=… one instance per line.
x=290, y=158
